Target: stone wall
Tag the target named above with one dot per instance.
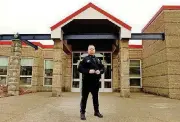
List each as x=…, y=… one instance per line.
x=154, y=66
x=38, y=68
x=67, y=70
x=47, y=54
x=115, y=77
x=5, y=50
x=38, y=65
x=172, y=31
x=161, y=62
x=133, y=54
x=14, y=68
x=64, y=59
x=57, y=82
x=68, y=73
x=37, y=73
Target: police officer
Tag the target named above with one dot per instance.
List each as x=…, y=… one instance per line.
x=91, y=67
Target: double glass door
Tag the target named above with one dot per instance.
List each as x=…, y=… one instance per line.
x=106, y=78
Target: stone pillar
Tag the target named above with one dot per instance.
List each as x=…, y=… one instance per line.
x=14, y=68
x=64, y=62
x=35, y=72
x=57, y=68
x=124, y=68
x=68, y=73
x=40, y=71
x=115, y=77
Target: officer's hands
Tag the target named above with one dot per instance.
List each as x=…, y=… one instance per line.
x=92, y=71
x=97, y=72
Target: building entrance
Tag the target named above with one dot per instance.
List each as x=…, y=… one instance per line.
x=106, y=78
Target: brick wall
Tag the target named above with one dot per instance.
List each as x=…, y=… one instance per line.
x=161, y=62
x=67, y=61
x=5, y=50
x=47, y=54
x=37, y=72
x=68, y=73
x=38, y=68
x=172, y=30
x=155, y=76
x=133, y=54
x=115, y=77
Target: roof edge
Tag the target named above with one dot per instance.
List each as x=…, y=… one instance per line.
x=97, y=9
x=164, y=7
x=70, y=16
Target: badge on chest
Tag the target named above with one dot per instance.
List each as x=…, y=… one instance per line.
x=88, y=61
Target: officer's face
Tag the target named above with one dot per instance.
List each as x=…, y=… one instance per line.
x=91, y=50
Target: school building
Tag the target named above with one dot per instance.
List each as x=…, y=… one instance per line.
x=153, y=67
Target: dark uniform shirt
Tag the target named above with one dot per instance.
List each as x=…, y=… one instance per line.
x=88, y=63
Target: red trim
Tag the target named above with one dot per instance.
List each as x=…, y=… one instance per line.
x=135, y=46
x=94, y=7
x=159, y=11
x=51, y=46
x=5, y=43
x=48, y=46
x=24, y=44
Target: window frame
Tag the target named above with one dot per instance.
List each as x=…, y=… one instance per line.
x=6, y=76
x=27, y=76
x=47, y=59
x=139, y=77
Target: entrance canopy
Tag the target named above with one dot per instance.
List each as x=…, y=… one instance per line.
x=88, y=23
x=101, y=45
x=90, y=19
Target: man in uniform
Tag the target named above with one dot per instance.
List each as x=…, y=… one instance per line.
x=91, y=67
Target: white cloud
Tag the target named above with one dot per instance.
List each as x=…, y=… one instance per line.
x=36, y=16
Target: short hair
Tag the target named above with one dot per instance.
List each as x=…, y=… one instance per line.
x=91, y=45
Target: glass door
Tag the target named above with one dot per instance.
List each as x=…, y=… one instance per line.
x=76, y=84
x=107, y=78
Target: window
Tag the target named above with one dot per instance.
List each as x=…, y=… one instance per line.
x=48, y=73
x=3, y=70
x=135, y=73
x=26, y=71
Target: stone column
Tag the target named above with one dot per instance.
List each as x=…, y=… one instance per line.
x=14, y=68
x=57, y=68
x=64, y=62
x=115, y=77
x=35, y=74
x=124, y=68
x=40, y=71
x=68, y=73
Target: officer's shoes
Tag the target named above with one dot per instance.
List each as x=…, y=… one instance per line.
x=98, y=115
x=83, y=117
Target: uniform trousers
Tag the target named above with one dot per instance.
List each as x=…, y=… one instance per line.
x=93, y=88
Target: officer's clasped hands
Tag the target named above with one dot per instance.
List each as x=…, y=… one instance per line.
x=97, y=72
x=92, y=71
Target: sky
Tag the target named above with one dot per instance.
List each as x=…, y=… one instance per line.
x=37, y=16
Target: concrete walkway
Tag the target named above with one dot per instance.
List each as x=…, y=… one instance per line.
x=41, y=107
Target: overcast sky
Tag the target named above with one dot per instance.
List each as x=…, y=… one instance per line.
x=37, y=16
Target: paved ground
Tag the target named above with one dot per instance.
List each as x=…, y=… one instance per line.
x=41, y=107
